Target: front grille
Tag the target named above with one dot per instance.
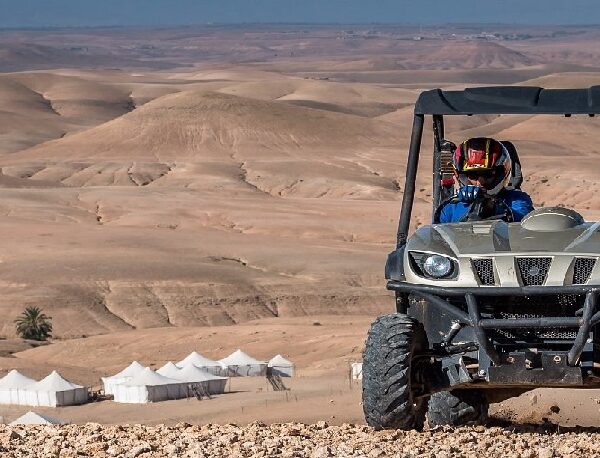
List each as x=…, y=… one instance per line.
x=533, y=270
x=507, y=308
x=558, y=334
x=485, y=271
x=582, y=270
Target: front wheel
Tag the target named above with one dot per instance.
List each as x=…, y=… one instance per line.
x=389, y=400
x=458, y=407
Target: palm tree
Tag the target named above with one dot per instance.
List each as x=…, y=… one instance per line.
x=33, y=324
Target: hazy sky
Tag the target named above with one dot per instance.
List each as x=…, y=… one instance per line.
x=43, y=13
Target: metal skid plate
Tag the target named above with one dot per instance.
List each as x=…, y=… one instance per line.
x=539, y=369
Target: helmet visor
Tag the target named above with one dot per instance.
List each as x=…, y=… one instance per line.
x=476, y=174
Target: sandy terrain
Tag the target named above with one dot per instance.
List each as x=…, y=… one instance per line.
x=214, y=189
x=292, y=439
x=321, y=347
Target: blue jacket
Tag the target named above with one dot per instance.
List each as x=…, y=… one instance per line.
x=519, y=202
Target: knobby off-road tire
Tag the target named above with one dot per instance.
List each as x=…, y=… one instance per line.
x=388, y=402
x=456, y=408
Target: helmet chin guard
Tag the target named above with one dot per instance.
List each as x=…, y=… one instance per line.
x=501, y=183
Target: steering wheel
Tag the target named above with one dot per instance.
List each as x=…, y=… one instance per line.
x=475, y=212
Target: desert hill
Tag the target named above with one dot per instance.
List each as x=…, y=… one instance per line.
x=37, y=107
x=478, y=54
x=259, y=144
x=223, y=193
x=195, y=124
x=200, y=208
x=450, y=55
x=247, y=194
x=360, y=99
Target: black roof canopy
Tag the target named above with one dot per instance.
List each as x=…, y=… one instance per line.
x=509, y=100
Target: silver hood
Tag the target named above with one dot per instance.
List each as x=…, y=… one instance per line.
x=550, y=238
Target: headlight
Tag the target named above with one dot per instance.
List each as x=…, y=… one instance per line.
x=431, y=265
x=437, y=266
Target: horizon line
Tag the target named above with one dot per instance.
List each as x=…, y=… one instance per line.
x=304, y=24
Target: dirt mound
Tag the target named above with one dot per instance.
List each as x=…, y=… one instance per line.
x=81, y=99
x=318, y=440
x=37, y=107
x=478, y=54
x=195, y=125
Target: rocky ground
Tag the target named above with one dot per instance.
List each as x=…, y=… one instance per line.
x=293, y=440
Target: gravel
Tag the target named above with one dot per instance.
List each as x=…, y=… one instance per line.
x=319, y=440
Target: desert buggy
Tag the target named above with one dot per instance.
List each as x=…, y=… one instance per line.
x=486, y=309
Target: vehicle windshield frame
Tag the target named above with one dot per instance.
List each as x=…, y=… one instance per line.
x=493, y=100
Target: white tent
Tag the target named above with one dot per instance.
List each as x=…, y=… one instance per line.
x=191, y=374
x=125, y=375
x=34, y=418
x=12, y=386
x=357, y=371
x=241, y=364
x=53, y=391
x=169, y=370
x=148, y=386
x=278, y=365
x=202, y=362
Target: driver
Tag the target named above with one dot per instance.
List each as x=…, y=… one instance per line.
x=482, y=168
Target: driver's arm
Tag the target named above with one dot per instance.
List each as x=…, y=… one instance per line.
x=452, y=212
x=521, y=206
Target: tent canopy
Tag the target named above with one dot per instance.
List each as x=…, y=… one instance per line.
x=14, y=379
x=279, y=360
x=34, y=418
x=193, y=374
x=150, y=378
x=53, y=382
x=198, y=360
x=239, y=358
x=133, y=369
x=169, y=370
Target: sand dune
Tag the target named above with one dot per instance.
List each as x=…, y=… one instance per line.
x=358, y=99
x=478, y=54
x=193, y=124
x=216, y=201
x=569, y=80
x=237, y=205
x=41, y=106
x=211, y=194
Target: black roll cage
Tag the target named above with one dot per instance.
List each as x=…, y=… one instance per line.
x=474, y=101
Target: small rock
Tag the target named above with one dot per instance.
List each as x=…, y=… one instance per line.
x=232, y=439
x=137, y=451
x=291, y=431
x=15, y=436
x=321, y=452
x=544, y=452
x=554, y=409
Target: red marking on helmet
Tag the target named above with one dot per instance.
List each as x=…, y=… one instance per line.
x=476, y=158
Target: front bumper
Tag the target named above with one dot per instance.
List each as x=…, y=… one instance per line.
x=554, y=368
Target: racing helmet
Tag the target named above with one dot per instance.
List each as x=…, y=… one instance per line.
x=483, y=156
